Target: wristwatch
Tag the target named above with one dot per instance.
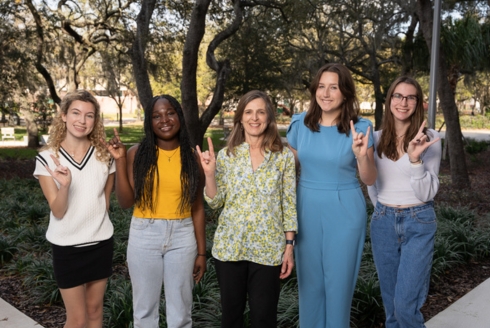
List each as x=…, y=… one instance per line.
x=290, y=242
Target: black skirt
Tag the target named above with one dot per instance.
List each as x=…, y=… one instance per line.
x=75, y=266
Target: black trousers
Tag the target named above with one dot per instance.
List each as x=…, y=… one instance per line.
x=261, y=284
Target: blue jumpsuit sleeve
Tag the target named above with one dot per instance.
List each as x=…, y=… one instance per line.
x=292, y=132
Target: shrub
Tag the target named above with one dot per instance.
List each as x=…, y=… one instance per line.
x=118, y=303
x=39, y=278
x=25, y=252
x=475, y=146
x=7, y=250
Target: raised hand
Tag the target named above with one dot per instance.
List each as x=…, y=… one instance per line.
x=115, y=147
x=61, y=173
x=419, y=144
x=208, y=159
x=359, y=141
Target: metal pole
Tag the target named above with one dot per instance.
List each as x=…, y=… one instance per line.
x=434, y=59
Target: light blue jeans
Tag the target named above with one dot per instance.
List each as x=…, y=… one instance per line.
x=162, y=251
x=403, y=244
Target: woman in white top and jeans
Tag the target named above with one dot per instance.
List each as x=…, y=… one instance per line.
x=403, y=224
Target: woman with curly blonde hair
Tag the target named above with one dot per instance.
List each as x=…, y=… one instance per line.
x=76, y=174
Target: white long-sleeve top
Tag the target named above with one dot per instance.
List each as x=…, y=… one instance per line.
x=401, y=183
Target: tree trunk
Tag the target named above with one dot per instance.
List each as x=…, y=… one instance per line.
x=407, y=57
x=454, y=137
x=40, y=53
x=378, y=95
x=120, y=105
x=140, y=71
x=32, y=130
x=188, y=85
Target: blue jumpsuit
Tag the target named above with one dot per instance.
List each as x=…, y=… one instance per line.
x=331, y=223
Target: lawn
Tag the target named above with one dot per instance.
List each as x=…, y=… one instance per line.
x=134, y=132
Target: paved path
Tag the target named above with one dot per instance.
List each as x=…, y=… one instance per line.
x=470, y=311
x=10, y=317
x=479, y=135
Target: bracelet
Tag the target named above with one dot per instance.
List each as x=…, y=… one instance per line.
x=201, y=254
x=419, y=162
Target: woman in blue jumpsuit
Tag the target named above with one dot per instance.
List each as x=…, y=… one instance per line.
x=329, y=142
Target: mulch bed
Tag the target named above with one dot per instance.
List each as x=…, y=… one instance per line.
x=13, y=292
x=450, y=287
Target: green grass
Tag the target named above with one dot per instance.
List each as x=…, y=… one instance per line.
x=131, y=134
x=20, y=132
x=217, y=136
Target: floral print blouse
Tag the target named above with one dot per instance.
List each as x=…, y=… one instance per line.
x=259, y=207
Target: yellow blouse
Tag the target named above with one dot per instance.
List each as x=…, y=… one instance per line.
x=167, y=190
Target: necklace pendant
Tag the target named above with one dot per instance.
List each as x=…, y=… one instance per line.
x=169, y=159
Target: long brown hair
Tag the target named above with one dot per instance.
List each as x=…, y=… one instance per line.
x=349, y=108
x=388, y=142
x=58, y=128
x=272, y=139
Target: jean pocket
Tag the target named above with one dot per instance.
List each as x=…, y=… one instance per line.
x=187, y=222
x=426, y=216
x=139, y=224
x=376, y=215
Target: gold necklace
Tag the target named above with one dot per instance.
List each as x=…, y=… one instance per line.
x=72, y=153
x=400, y=136
x=175, y=151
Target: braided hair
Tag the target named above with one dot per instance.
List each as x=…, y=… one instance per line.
x=146, y=157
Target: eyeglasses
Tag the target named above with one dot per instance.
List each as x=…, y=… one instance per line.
x=397, y=98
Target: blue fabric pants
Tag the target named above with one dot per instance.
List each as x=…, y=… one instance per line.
x=403, y=244
x=330, y=242
x=162, y=251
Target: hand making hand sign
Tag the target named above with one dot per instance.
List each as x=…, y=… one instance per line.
x=419, y=144
x=115, y=147
x=359, y=141
x=208, y=159
x=61, y=173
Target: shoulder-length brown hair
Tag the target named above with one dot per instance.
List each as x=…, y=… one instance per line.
x=350, y=106
x=388, y=142
x=58, y=128
x=272, y=139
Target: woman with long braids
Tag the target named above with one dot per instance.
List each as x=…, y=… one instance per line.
x=76, y=174
x=403, y=224
x=162, y=178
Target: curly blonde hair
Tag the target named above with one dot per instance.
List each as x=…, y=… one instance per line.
x=58, y=128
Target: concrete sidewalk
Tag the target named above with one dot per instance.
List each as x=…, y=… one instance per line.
x=470, y=311
x=10, y=317
x=479, y=135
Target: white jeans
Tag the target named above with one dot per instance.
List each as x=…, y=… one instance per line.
x=162, y=251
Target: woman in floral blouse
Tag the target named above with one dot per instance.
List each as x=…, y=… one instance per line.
x=253, y=179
